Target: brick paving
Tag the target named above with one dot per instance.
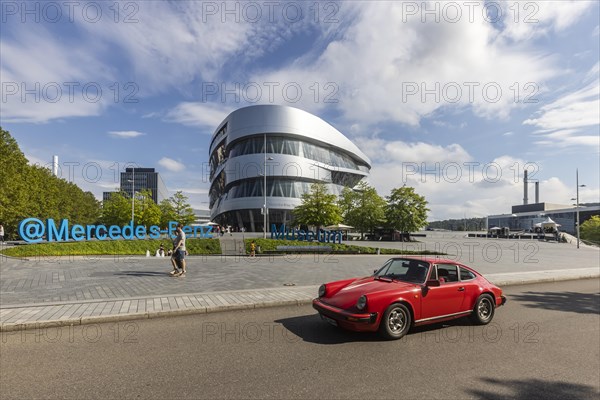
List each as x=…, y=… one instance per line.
x=73, y=290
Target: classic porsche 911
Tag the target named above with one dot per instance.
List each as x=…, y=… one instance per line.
x=408, y=292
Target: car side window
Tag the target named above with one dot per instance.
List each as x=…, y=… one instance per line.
x=466, y=275
x=448, y=272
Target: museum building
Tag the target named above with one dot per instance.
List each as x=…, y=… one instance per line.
x=263, y=158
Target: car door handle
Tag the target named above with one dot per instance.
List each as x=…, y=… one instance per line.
x=461, y=289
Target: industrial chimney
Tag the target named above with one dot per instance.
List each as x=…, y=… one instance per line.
x=525, y=200
x=55, y=165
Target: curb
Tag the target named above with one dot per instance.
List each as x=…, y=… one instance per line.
x=11, y=327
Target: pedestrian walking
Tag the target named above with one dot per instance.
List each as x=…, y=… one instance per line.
x=252, y=249
x=1, y=234
x=179, y=252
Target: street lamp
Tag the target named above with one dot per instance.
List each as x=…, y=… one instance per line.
x=132, y=180
x=265, y=210
x=577, y=202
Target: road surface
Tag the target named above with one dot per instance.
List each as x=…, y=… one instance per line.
x=545, y=343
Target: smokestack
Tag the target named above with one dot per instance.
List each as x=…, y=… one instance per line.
x=55, y=165
x=525, y=200
x=537, y=192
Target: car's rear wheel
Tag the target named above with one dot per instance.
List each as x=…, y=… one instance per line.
x=483, y=312
x=395, y=322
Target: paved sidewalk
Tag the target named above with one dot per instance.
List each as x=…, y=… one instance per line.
x=79, y=290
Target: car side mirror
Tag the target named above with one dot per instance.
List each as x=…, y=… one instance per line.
x=432, y=283
x=374, y=271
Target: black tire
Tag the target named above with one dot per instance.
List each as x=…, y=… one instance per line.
x=396, y=322
x=483, y=311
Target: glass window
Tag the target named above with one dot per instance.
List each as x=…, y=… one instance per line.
x=466, y=275
x=448, y=272
x=406, y=270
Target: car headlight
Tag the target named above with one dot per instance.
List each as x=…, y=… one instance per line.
x=322, y=290
x=362, y=302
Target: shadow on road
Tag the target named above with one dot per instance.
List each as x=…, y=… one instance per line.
x=142, y=273
x=582, y=303
x=312, y=329
x=533, y=389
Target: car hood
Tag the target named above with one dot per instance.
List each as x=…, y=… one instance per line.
x=347, y=296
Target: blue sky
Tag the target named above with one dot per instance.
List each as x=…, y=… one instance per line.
x=453, y=98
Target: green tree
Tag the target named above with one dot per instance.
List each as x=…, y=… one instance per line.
x=32, y=191
x=116, y=210
x=318, y=208
x=167, y=213
x=590, y=229
x=362, y=207
x=146, y=210
x=184, y=213
x=406, y=211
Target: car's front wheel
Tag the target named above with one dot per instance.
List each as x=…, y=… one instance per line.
x=395, y=322
x=483, y=312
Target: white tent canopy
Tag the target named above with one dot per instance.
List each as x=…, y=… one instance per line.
x=549, y=222
x=339, y=227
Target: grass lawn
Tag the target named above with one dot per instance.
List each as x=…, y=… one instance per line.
x=111, y=247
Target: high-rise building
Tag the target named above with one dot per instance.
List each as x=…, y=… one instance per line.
x=139, y=179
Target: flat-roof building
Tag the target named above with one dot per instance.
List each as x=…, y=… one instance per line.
x=524, y=217
x=139, y=179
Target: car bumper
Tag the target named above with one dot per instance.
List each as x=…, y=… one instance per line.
x=502, y=301
x=337, y=316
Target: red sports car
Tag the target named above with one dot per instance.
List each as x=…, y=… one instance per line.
x=408, y=292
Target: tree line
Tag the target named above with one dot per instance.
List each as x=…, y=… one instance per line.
x=33, y=191
x=117, y=210
x=464, y=224
x=363, y=209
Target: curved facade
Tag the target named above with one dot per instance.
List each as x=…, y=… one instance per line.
x=292, y=148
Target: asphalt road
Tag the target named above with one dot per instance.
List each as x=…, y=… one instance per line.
x=545, y=343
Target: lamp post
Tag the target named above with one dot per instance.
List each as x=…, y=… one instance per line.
x=265, y=209
x=577, y=202
x=132, y=180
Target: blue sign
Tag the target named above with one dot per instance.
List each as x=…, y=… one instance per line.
x=33, y=230
x=284, y=233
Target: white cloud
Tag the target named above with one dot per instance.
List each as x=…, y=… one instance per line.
x=171, y=165
x=44, y=78
x=523, y=20
x=126, y=134
x=454, y=182
x=410, y=69
x=398, y=151
x=173, y=43
x=569, y=120
x=206, y=115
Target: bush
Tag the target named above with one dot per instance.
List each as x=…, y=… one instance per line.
x=590, y=230
x=270, y=245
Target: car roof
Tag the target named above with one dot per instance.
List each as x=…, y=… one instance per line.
x=429, y=259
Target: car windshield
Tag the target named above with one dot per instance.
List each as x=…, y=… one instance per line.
x=407, y=270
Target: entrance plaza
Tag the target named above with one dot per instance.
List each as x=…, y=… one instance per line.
x=71, y=289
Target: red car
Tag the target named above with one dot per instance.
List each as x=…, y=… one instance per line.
x=408, y=292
